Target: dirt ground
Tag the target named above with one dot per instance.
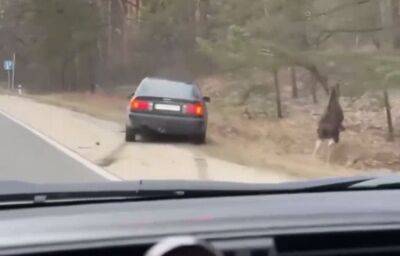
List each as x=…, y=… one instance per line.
x=263, y=143
x=102, y=142
x=266, y=142
x=288, y=143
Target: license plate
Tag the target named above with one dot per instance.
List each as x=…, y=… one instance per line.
x=167, y=107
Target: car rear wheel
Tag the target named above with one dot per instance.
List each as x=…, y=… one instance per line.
x=200, y=139
x=130, y=135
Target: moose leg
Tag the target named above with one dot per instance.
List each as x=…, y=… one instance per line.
x=331, y=146
x=318, y=144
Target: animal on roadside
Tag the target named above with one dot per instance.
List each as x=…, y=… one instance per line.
x=331, y=123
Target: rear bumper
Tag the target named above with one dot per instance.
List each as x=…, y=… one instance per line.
x=173, y=125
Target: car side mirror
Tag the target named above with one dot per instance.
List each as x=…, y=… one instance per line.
x=207, y=99
x=130, y=96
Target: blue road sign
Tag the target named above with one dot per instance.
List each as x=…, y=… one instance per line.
x=8, y=65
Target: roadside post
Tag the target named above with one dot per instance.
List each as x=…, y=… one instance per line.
x=8, y=66
x=8, y=80
x=13, y=72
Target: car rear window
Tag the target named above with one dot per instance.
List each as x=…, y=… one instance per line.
x=167, y=89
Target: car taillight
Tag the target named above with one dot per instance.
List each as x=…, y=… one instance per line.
x=141, y=105
x=196, y=109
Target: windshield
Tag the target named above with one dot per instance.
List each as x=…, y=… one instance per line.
x=166, y=89
x=260, y=91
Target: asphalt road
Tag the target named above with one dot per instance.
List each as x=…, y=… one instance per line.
x=24, y=156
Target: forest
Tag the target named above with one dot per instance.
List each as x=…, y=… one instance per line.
x=69, y=45
x=269, y=56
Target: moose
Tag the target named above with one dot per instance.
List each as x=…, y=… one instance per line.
x=331, y=123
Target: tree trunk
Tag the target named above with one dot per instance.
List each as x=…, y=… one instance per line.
x=278, y=94
x=203, y=10
x=323, y=80
x=125, y=18
x=386, y=13
x=125, y=42
x=312, y=68
x=314, y=90
x=388, y=115
x=138, y=7
x=83, y=74
x=357, y=41
x=92, y=70
x=109, y=35
x=376, y=42
x=191, y=23
x=396, y=24
x=295, y=93
x=64, y=66
x=74, y=78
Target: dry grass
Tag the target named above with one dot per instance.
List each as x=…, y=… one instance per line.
x=257, y=143
x=279, y=144
x=98, y=105
x=265, y=143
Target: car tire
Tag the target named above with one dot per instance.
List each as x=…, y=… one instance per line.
x=200, y=139
x=130, y=135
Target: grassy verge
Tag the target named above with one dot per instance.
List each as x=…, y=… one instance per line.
x=97, y=105
x=231, y=137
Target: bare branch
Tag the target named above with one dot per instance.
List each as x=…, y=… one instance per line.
x=325, y=34
x=341, y=7
x=354, y=30
x=322, y=37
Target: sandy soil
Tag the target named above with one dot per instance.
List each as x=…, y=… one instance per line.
x=259, y=144
x=102, y=142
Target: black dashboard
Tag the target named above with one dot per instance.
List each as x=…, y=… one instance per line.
x=286, y=224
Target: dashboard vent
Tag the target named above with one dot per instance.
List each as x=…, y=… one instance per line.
x=246, y=247
x=352, y=244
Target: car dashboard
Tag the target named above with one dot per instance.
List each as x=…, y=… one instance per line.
x=352, y=243
x=332, y=223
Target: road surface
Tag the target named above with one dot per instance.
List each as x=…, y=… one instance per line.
x=25, y=156
x=94, y=141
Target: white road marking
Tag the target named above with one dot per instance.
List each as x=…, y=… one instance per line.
x=93, y=167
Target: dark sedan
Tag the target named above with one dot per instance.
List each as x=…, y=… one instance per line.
x=167, y=107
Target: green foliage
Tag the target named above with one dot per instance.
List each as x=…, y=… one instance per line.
x=360, y=72
x=69, y=28
x=250, y=34
x=392, y=79
x=269, y=34
x=238, y=36
x=168, y=23
x=53, y=38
